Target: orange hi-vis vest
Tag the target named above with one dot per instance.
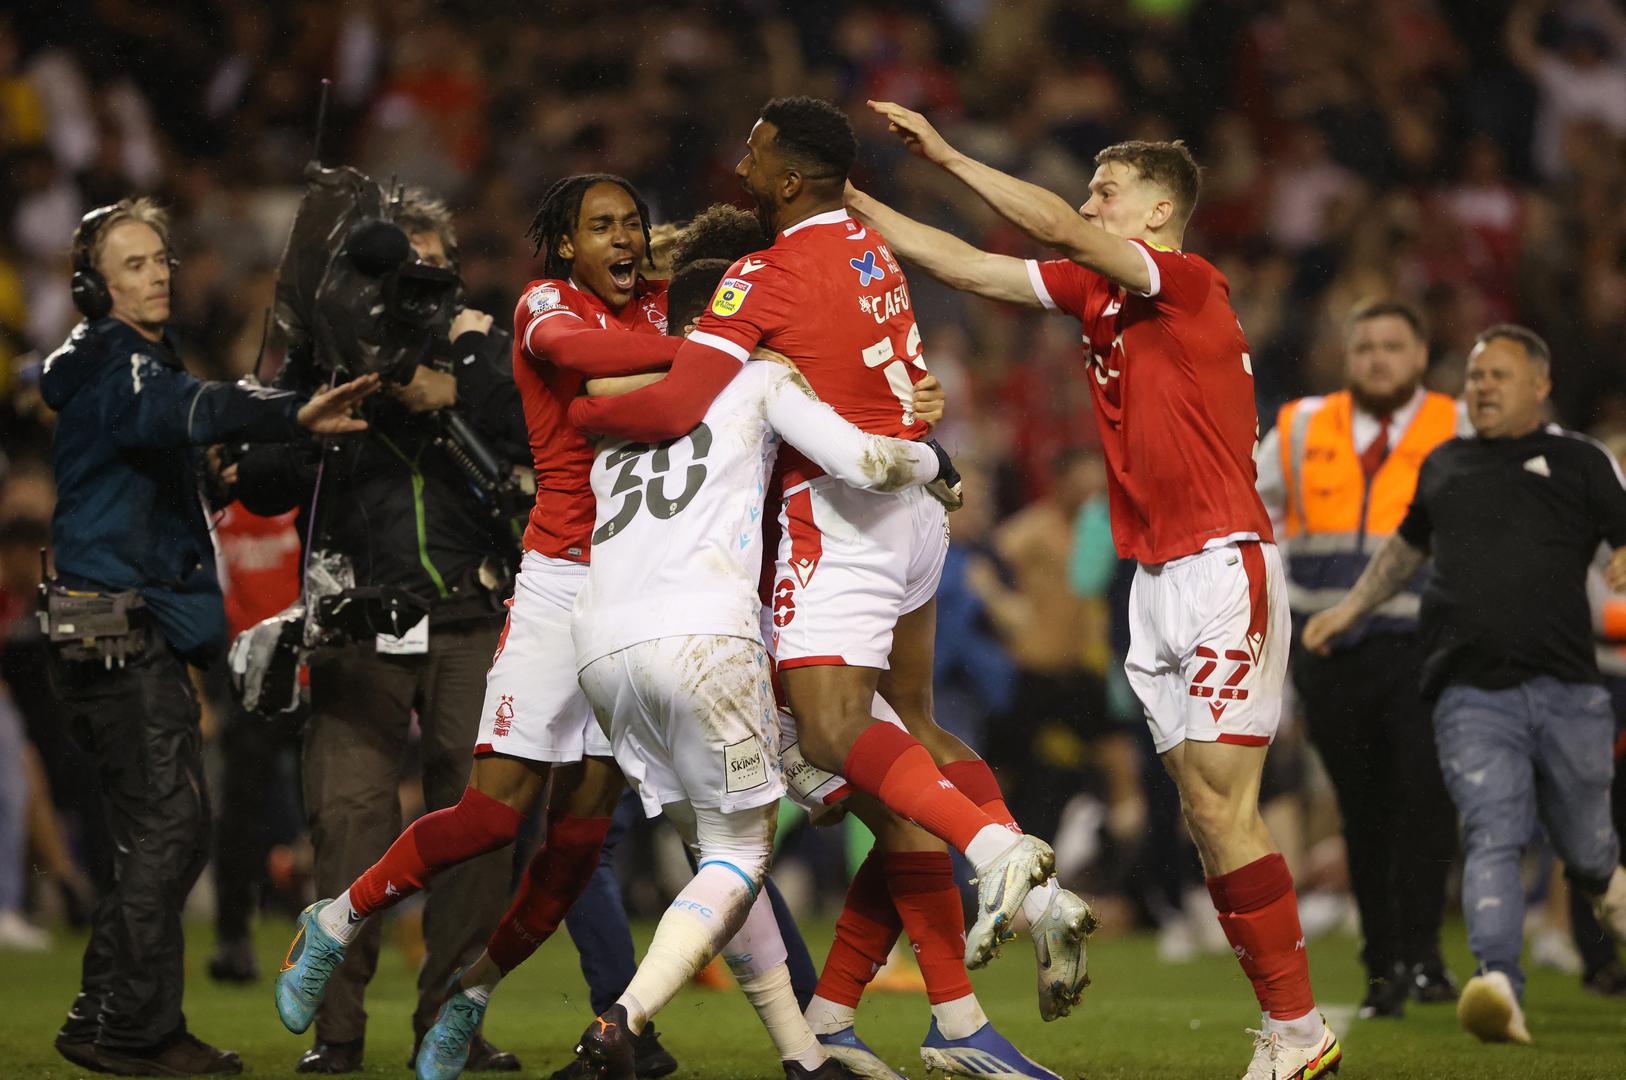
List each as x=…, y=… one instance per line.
x=1335, y=520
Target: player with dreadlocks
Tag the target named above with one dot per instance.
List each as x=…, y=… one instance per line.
x=593, y=313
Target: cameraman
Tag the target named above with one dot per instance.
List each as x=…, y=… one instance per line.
x=132, y=542
x=395, y=506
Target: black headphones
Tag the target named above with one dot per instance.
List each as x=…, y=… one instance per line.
x=89, y=287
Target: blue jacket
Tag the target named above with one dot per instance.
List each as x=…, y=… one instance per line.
x=129, y=510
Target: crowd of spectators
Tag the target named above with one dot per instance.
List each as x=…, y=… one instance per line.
x=1467, y=155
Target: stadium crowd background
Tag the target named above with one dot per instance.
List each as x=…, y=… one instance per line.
x=1352, y=149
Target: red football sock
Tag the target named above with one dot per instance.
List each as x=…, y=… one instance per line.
x=976, y=782
x=892, y=766
x=475, y=825
x=558, y=873
x=923, y=889
x=1260, y=916
x=865, y=933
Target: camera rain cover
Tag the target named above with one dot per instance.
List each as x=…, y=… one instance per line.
x=349, y=288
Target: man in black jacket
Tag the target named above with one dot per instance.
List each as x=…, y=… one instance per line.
x=395, y=505
x=130, y=525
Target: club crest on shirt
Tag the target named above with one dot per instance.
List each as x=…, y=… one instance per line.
x=729, y=296
x=543, y=298
x=655, y=315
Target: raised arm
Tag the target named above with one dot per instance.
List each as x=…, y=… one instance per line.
x=1041, y=214
x=1391, y=569
x=945, y=257
x=855, y=457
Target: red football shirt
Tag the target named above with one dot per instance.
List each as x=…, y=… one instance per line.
x=1173, y=389
x=562, y=337
x=830, y=295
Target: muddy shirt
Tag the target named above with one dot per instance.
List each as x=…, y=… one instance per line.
x=677, y=538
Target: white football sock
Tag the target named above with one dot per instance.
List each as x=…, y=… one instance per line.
x=825, y=1017
x=1036, y=903
x=709, y=911
x=337, y=919
x=958, y=1018
x=758, y=946
x=775, y=1002
x=990, y=843
x=1300, y=1031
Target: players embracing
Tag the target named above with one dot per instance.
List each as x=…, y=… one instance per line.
x=853, y=607
x=1172, y=384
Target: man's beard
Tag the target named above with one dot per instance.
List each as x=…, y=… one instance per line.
x=1382, y=405
x=767, y=215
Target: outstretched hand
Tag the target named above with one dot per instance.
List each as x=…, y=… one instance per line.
x=328, y=413
x=915, y=130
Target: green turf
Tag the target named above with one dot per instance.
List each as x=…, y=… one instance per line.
x=1141, y=1020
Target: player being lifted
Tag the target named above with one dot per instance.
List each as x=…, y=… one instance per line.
x=593, y=313
x=853, y=604
x=1172, y=383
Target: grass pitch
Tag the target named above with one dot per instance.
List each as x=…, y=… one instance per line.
x=1140, y=1021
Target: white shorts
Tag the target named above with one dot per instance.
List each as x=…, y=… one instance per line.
x=851, y=563
x=534, y=707
x=691, y=719
x=1208, y=644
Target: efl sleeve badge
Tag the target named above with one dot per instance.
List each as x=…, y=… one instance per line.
x=729, y=296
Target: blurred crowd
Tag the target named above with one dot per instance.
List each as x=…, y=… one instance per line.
x=1468, y=156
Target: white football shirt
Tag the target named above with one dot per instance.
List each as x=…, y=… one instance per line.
x=677, y=540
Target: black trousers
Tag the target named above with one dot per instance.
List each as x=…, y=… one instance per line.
x=139, y=724
x=1375, y=735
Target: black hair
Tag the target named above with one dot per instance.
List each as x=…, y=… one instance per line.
x=814, y=133
x=721, y=232
x=561, y=208
x=691, y=286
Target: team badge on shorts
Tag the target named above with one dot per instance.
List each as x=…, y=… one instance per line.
x=729, y=296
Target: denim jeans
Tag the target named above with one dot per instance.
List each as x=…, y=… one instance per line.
x=1541, y=751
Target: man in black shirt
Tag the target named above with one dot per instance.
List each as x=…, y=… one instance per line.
x=1513, y=516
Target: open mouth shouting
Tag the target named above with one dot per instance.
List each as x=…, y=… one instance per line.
x=624, y=272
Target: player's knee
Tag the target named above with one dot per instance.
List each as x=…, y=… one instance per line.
x=1211, y=815
x=740, y=840
x=510, y=781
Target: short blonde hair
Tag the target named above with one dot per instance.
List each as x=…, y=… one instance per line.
x=91, y=235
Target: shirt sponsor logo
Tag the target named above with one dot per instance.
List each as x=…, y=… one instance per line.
x=730, y=295
x=867, y=270
x=743, y=767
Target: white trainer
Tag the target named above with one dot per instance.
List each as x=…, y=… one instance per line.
x=1058, y=949
x=1489, y=1010
x=1000, y=892
x=1275, y=1060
